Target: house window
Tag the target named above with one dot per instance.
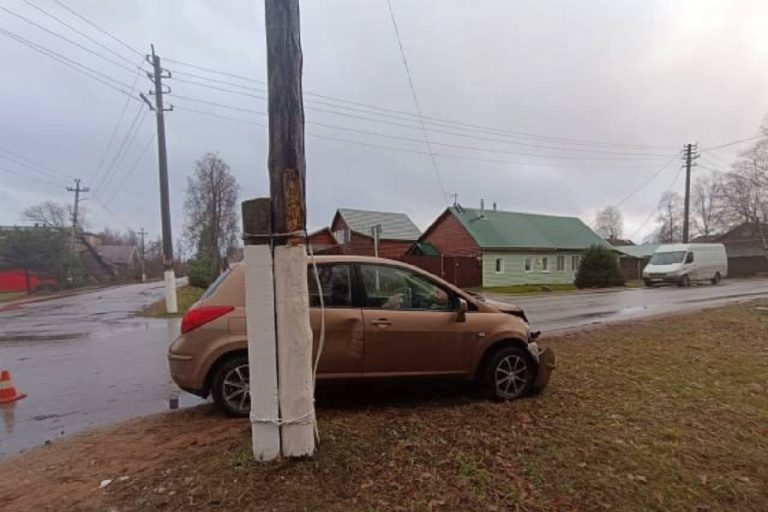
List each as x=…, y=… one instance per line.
x=499, y=265
x=341, y=235
x=561, y=263
x=575, y=260
x=545, y=264
x=528, y=264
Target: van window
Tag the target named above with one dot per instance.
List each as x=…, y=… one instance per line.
x=689, y=258
x=667, y=258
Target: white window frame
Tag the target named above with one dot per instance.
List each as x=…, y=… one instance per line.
x=558, y=259
x=577, y=259
x=498, y=265
x=546, y=270
x=528, y=264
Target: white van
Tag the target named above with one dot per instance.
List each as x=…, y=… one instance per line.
x=685, y=263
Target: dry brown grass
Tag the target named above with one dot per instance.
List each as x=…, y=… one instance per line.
x=667, y=415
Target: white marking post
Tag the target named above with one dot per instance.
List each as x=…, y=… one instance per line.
x=260, y=318
x=170, y=292
x=294, y=351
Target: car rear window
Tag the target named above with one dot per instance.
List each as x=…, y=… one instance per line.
x=215, y=284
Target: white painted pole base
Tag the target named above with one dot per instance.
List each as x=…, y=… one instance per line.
x=262, y=351
x=170, y=292
x=294, y=350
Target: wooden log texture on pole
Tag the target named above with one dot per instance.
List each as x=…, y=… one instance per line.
x=262, y=342
x=287, y=188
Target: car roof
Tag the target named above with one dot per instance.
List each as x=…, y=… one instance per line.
x=335, y=258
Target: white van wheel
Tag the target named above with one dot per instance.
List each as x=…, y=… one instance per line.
x=716, y=279
x=685, y=281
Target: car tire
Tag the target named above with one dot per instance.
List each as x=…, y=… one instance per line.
x=230, y=386
x=685, y=281
x=649, y=283
x=716, y=280
x=509, y=374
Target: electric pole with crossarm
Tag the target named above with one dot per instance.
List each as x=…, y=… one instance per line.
x=157, y=75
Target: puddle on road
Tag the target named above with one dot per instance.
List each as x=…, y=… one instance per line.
x=17, y=336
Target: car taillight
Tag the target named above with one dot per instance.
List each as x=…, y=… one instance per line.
x=201, y=315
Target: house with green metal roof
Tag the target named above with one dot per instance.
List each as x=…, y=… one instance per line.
x=512, y=247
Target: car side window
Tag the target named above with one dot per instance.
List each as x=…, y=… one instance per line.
x=335, y=282
x=689, y=258
x=389, y=287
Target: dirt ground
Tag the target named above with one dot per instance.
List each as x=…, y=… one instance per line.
x=664, y=414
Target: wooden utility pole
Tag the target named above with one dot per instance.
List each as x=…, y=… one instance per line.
x=280, y=350
x=689, y=156
x=157, y=75
x=75, y=211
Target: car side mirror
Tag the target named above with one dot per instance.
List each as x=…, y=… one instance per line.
x=461, y=314
x=689, y=258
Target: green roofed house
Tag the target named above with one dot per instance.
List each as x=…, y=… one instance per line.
x=514, y=248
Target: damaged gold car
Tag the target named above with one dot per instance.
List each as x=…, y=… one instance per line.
x=383, y=318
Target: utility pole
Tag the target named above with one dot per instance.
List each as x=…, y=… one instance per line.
x=376, y=233
x=689, y=155
x=277, y=298
x=142, y=233
x=75, y=210
x=157, y=75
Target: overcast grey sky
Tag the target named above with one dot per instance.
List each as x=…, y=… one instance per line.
x=650, y=73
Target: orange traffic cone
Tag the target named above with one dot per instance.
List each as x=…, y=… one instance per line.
x=8, y=393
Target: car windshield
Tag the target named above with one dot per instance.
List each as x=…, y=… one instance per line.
x=667, y=258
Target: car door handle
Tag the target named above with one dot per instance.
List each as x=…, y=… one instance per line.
x=381, y=322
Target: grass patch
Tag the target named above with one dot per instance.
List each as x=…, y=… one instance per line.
x=529, y=288
x=10, y=296
x=185, y=297
x=662, y=415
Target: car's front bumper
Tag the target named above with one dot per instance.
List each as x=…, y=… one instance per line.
x=546, y=366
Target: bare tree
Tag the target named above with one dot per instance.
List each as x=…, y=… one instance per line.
x=744, y=191
x=609, y=223
x=670, y=218
x=706, y=211
x=211, y=208
x=49, y=215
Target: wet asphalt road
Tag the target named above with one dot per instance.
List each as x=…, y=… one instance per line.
x=84, y=361
x=557, y=312
x=88, y=360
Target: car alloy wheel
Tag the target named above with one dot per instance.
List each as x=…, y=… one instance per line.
x=236, y=389
x=511, y=376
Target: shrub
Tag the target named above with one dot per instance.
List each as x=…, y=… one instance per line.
x=201, y=272
x=599, y=269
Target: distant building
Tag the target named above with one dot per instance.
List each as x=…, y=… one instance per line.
x=353, y=232
x=634, y=258
x=746, y=246
x=513, y=248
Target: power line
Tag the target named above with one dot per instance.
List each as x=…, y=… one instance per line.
x=409, y=139
x=97, y=27
x=77, y=31
x=49, y=182
x=132, y=169
x=733, y=143
x=647, y=181
x=127, y=139
x=117, y=125
x=81, y=68
x=65, y=38
x=642, y=226
x=365, y=144
x=401, y=113
x=31, y=164
x=621, y=155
